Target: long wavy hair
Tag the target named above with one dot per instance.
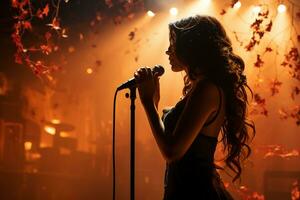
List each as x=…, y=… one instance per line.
x=202, y=44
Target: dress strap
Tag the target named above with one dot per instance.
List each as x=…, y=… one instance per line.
x=217, y=113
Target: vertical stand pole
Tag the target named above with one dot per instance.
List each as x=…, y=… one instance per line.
x=132, y=142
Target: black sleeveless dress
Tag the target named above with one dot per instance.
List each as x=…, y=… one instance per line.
x=194, y=176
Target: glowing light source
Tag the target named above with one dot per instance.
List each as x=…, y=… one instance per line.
x=64, y=134
x=206, y=2
x=150, y=13
x=256, y=9
x=237, y=5
x=89, y=70
x=173, y=11
x=281, y=8
x=27, y=145
x=55, y=121
x=50, y=130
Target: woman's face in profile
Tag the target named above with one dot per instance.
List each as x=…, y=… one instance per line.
x=174, y=61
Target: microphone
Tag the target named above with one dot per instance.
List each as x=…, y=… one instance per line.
x=132, y=82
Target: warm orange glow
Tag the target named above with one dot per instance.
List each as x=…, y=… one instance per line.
x=256, y=9
x=89, y=70
x=173, y=11
x=150, y=13
x=237, y=5
x=281, y=8
x=50, y=130
x=55, y=121
x=64, y=134
x=43, y=145
x=206, y=2
x=28, y=145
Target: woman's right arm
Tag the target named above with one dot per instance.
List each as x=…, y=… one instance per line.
x=149, y=93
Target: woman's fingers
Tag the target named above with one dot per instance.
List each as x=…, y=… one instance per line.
x=143, y=73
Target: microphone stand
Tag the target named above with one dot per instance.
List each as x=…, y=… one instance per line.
x=132, y=141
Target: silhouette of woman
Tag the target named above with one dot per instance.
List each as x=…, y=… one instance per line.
x=214, y=100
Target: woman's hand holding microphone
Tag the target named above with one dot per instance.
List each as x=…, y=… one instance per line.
x=148, y=84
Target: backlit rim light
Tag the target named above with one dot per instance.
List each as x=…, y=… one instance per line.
x=256, y=9
x=50, y=130
x=237, y=5
x=150, y=13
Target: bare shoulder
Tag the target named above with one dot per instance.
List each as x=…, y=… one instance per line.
x=207, y=90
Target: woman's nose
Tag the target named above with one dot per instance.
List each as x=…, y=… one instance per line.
x=168, y=51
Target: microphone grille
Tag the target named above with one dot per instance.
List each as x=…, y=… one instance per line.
x=159, y=69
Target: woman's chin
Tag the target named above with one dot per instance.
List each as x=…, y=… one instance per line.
x=176, y=69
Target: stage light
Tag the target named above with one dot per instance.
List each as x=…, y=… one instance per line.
x=64, y=134
x=256, y=9
x=206, y=1
x=50, y=130
x=281, y=8
x=55, y=121
x=237, y=5
x=173, y=11
x=89, y=70
x=150, y=13
x=27, y=145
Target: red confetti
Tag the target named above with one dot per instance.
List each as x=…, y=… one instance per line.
x=269, y=26
x=130, y=16
x=295, y=91
x=284, y=63
x=109, y=3
x=41, y=14
x=295, y=193
x=98, y=63
x=48, y=35
x=259, y=62
x=117, y=20
x=293, y=113
x=259, y=105
x=260, y=34
x=233, y=2
x=256, y=24
x=292, y=55
x=46, y=49
x=223, y=12
x=136, y=58
x=259, y=100
x=27, y=25
x=275, y=84
x=268, y=49
x=55, y=24
x=283, y=114
x=250, y=46
x=264, y=14
x=132, y=34
x=18, y=58
x=259, y=27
